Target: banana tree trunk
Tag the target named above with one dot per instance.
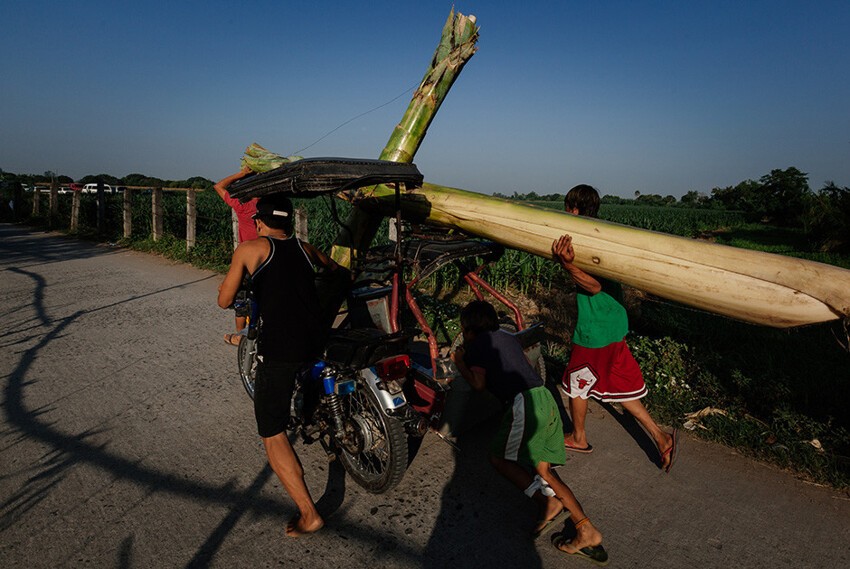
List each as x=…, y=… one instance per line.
x=456, y=47
x=752, y=286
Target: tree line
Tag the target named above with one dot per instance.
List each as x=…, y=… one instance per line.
x=196, y=182
x=781, y=198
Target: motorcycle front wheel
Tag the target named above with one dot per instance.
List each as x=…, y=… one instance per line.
x=375, y=449
x=247, y=358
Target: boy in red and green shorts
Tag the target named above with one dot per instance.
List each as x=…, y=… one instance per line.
x=601, y=365
x=531, y=433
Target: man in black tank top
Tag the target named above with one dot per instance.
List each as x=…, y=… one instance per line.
x=282, y=270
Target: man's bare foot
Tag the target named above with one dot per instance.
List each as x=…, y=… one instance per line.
x=571, y=443
x=664, y=450
x=587, y=536
x=232, y=339
x=299, y=525
x=669, y=450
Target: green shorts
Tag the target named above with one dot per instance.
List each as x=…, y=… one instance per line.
x=531, y=431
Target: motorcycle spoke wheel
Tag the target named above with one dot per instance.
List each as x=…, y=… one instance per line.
x=247, y=359
x=377, y=456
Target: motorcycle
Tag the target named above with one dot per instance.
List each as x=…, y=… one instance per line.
x=383, y=381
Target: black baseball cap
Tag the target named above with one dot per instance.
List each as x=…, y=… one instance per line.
x=274, y=206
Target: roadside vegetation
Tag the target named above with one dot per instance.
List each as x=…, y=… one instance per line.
x=776, y=395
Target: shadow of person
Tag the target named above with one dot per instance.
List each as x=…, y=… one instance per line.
x=625, y=419
x=566, y=420
x=633, y=428
x=484, y=521
x=334, y=494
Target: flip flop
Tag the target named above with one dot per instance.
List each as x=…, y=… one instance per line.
x=232, y=339
x=596, y=554
x=548, y=525
x=583, y=450
x=672, y=451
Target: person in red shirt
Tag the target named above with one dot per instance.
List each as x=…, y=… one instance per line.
x=247, y=232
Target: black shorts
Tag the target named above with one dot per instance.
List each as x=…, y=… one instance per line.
x=273, y=389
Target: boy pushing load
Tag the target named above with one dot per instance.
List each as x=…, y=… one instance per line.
x=531, y=432
x=601, y=365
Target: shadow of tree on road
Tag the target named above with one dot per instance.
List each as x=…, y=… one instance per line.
x=70, y=450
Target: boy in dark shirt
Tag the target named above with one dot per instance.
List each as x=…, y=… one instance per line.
x=531, y=433
x=282, y=271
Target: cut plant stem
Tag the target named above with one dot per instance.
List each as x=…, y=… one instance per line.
x=456, y=47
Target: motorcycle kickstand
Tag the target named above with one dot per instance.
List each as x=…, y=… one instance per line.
x=329, y=450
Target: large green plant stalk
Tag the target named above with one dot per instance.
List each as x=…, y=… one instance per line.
x=752, y=286
x=457, y=45
x=259, y=159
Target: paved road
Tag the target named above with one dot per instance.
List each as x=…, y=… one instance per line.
x=126, y=441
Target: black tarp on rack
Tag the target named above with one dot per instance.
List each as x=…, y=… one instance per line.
x=427, y=256
x=313, y=176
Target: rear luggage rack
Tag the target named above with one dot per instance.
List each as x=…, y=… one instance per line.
x=312, y=176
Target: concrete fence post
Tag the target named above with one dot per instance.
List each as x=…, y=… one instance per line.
x=156, y=207
x=392, y=231
x=54, y=201
x=128, y=213
x=234, y=222
x=75, y=211
x=191, y=219
x=301, y=225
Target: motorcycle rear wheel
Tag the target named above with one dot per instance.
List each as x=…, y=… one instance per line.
x=247, y=358
x=380, y=460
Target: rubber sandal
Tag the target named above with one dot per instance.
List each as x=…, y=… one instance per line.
x=548, y=525
x=596, y=554
x=583, y=450
x=672, y=451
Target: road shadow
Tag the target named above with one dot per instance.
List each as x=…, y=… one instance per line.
x=67, y=450
x=625, y=419
x=484, y=521
x=25, y=247
x=633, y=428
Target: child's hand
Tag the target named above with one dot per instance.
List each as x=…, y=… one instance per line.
x=457, y=355
x=562, y=249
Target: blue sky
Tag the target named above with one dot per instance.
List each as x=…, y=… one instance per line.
x=659, y=97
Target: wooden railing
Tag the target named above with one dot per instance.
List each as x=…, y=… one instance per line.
x=157, y=212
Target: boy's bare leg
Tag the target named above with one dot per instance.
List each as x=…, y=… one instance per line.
x=234, y=339
x=519, y=477
x=662, y=440
x=286, y=465
x=578, y=413
x=586, y=534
